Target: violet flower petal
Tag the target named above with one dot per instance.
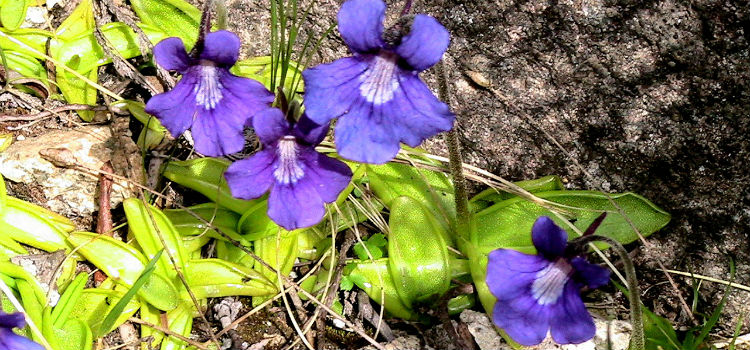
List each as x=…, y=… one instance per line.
x=591, y=275
x=309, y=131
x=366, y=134
x=252, y=177
x=14, y=320
x=176, y=108
x=270, y=125
x=221, y=47
x=549, y=239
x=295, y=205
x=250, y=96
x=570, y=322
x=327, y=175
x=170, y=53
x=220, y=130
x=331, y=89
x=511, y=273
x=361, y=24
x=12, y=341
x=416, y=113
x=425, y=44
x=522, y=319
x=214, y=135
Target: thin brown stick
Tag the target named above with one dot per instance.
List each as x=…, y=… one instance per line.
x=122, y=66
x=168, y=332
x=125, y=15
x=338, y=271
x=47, y=113
x=104, y=223
x=180, y=275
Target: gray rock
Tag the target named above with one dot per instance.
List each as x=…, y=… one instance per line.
x=70, y=187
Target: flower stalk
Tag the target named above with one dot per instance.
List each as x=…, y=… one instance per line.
x=461, y=196
x=637, y=339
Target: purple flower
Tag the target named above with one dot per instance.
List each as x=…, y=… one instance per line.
x=540, y=293
x=377, y=92
x=13, y=341
x=300, y=179
x=215, y=104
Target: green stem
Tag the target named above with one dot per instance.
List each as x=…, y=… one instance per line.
x=637, y=339
x=221, y=14
x=463, y=221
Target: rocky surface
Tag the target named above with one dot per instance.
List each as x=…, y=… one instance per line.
x=644, y=96
x=58, y=170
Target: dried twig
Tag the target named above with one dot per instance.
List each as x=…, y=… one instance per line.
x=123, y=14
x=51, y=111
x=122, y=66
x=337, y=273
x=104, y=223
x=168, y=332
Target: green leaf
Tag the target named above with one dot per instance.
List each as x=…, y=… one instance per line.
x=68, y=300
x=373, y=277
x=30, y=300
x=188, y=225
x=22, y=222
x=78, y=22
x=508, y=224
x=149, y=226
x=75, y=334
x=373, y=244
x=491, y=196
x=180, y=321
x=214, y=278
x=73, y=89
x=418, y=254
x=12, y=13
x=35, y=39
x=59, y=221
x=117, y=310
x=174, y=17
x=260, y=69
x=124, y=264
x=12, y=271
x=91, y=55
x=228, y=252
x=26, y=65
x=206, y=176
x=255, y=223
x=153, y=316
x=432, y=189
x=95, y=302
x=279, y=251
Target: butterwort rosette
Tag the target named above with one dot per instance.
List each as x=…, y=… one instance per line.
x=300, y=179
x=13, y=341
x=209, y=100
x=537, y=294
x=377, y=93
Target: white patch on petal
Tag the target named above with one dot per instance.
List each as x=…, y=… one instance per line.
x=550, y=282
x=289, y=170
x=379, y=81
x=208, y=90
